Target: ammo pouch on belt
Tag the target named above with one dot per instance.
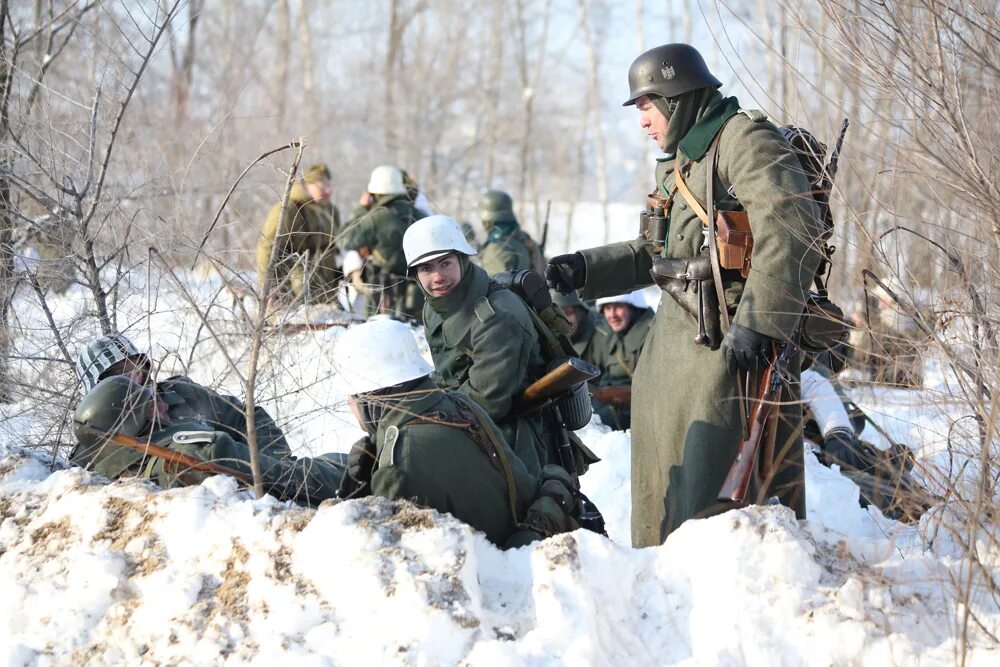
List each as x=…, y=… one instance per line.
x=689, y=282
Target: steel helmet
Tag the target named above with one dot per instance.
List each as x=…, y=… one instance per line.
x=433, y=237
x=669, y=71
x=386, y=180
x=496, y=206
x=378, y=354
x=115, y=405
x=634, y=299
x=101, y=354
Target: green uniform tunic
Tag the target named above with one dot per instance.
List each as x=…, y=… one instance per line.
x=617, y=355
x=380, y=229
x=304, y=480
x=685, y=419
x=304, y=227
x=510, y=249
x=451, y=468
x=485, y=346
x=188, y=401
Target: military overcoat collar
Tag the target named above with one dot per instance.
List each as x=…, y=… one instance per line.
x=696, y=142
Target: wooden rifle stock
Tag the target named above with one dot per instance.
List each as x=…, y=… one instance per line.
x=555, y=383
x=619, y=396
x=736, y=486
x=183, y=461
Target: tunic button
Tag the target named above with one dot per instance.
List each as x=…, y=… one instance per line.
x=680, y=237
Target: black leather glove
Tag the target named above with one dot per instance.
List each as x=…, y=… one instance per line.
x=838, y=447
x=745, y=348
x=566, y=273
x=360, y=465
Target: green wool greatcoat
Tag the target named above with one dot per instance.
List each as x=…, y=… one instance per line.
x=305, y=226
x=381, y=228
x=308, y=481
x=510, y=252
x=420, y=457
x=686, y=423
x=486, y=347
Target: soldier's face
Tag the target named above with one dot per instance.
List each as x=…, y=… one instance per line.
x=320, y=191
x=617, y=315
x=134, y=368
x=439, y=276
x=651, y=120
x=573, y=318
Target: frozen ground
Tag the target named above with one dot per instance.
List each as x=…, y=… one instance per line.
x=99, y=573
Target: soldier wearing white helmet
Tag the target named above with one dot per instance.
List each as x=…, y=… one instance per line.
x=481, y=335
x=376, y=231
x=628, y=321
x=438, y=448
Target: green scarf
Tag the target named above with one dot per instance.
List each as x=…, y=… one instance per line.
x=689, y=109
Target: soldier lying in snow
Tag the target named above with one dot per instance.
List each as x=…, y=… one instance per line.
x=119, y=406
x=883, y=476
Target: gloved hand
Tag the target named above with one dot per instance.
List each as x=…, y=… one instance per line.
x=838, y=447
x=745, y=348
x=566, y=273
x=360, y=465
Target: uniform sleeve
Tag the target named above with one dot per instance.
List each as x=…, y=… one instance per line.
x=501, y=349
x=617, y=268
x=231, y=418
x=768, y=181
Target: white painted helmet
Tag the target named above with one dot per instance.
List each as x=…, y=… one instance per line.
x=632, y=298
x=432, y=237
x=100, y=355
x=386, y=180
x=378, y=354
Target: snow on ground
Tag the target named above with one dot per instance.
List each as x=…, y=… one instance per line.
x=93, y=572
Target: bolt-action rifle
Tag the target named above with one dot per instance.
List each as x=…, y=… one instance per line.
x=763, y=429
x=179, y=459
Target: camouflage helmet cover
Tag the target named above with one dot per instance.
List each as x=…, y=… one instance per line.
x=668, y=71
x=101, y=354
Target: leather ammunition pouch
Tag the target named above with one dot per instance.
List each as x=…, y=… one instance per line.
x=689, y=282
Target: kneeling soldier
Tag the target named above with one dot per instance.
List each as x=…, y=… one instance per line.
x=124, y=430
x=438, y=448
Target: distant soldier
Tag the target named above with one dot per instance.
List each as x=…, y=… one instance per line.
x=588, y=326
x=895, y=352
x=507, y=246
x=439, y=448
x=628, y=321
x=182, y=398
x=120, y=406
x=376, y=232
x=305, y=261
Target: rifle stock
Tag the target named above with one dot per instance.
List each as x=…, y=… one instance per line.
x=555, y=383
x=177, y=458
x=736, y=486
